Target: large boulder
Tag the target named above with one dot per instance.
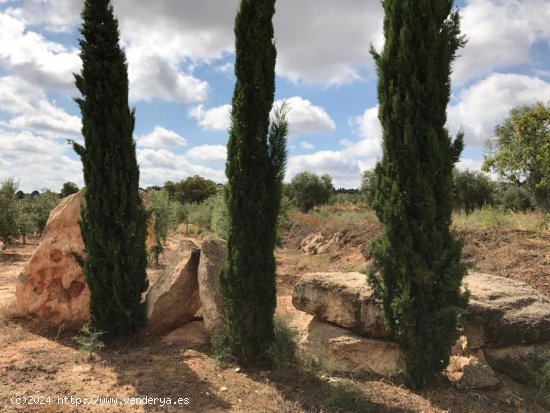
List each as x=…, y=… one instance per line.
x=52, y=285
x=213, y=256
x=471, y=373
x=505, y=312
x=174, y=299
x=344, y=299
x=340, y=350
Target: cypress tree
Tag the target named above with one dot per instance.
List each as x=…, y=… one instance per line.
x=417, y=257
x=255, y=168
x=113, y=221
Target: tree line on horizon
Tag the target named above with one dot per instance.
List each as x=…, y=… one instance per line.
x=417, y=268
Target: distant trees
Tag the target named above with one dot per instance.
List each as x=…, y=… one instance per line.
x=23, y=215
x=69, y=188
x=8, y=211
x=368, y=186
x=307, y=190
x=471, y=190
x=193, y=190
x=255, y=168
x=520, y=150
x=113, y=223
x=417, y=257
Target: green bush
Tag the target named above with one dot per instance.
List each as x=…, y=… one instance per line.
x=516, y=198
x=168, y=214
x=471, y=190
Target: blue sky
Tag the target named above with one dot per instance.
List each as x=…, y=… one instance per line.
x=180, y=56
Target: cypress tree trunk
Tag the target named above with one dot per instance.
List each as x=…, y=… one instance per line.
x=113, y=222
x=255, y=169
x=417, y=256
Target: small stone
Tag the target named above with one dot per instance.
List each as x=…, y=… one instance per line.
x=237, y=369
x=224, y=388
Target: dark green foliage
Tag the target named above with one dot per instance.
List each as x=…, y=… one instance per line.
x=68, y=188
x=417, y=257
x=516, y=198
x=307, y=190
x=42, y=206
x=255, y=169
x=113, y=222
x=192, y=190
x=471, y=190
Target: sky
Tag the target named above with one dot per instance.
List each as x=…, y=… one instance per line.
x=180, y=56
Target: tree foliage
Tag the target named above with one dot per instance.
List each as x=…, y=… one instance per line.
x=8, y=211
x=471, y=190
x=113, y=223
x=69, y=188
x=255, y=169
x=368, y=186
x=520, y=150
x=307, y=190
x=417, y=257
x=192, y=190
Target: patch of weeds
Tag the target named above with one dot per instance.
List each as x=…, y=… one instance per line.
x=220, y=349
x=283, y=353
x=543, y=383
x=346, y=397
x=89, y=341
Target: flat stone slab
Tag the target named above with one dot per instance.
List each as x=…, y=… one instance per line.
x=344, y=299
x=338, y=349
x=501, y=312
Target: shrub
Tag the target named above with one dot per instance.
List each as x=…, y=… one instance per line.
x=516, y=198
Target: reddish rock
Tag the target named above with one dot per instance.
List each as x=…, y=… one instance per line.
x=52, y=285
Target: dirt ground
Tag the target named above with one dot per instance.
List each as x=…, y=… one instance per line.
x=36, y=360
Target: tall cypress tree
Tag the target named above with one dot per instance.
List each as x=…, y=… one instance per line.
x=417, y=257
x=255, y=167
x=113, y=221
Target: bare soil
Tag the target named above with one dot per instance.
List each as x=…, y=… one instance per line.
x=37, y=360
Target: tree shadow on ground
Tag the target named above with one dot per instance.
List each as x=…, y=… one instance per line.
x=137, y=368
x=319, y=395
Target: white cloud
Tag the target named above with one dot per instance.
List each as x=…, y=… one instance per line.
x=174, y=32
x=488, y=102
x=207, y=153
x=307, y=145
x=32, y=111
x=370, y=130
x=154, y=77
x=216, y=118
x=343, y=169
x=500, y=33
x=324, y=41
x=159, y=166
x=304, y=118
x=30, y=56
x=161, y=138
x=37, y=162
